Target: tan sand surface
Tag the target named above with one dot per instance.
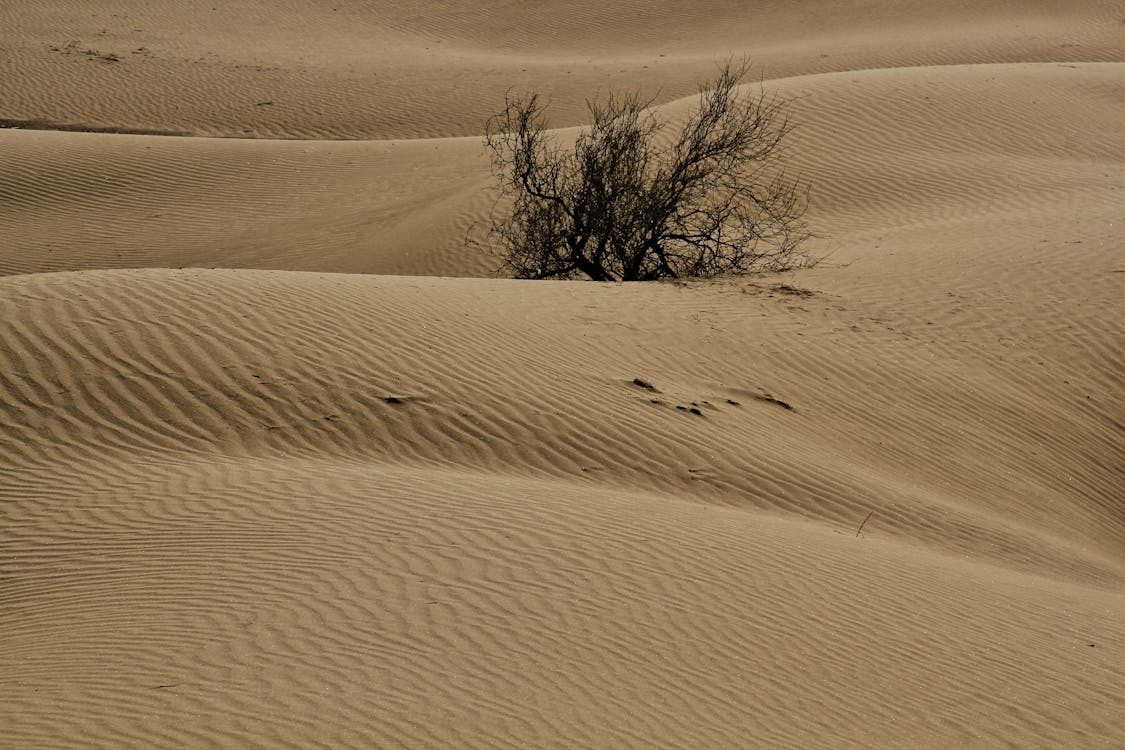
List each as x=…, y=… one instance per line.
x=283, y=464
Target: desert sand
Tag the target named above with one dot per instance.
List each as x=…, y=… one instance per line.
x=284, y=463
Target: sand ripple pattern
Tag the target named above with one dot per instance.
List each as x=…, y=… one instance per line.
x=363, y=606
x=471, y=374
x=282, y=466
x=384, y=69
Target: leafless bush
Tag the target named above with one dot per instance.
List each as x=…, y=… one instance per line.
x=618, y=206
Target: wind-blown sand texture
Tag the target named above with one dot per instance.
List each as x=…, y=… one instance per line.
x=283, y=464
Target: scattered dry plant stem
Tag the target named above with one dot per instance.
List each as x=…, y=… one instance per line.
x=865, y=520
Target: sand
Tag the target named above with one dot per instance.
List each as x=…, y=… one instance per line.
x=284, y=463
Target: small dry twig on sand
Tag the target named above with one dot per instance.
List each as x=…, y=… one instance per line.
x=857, y=531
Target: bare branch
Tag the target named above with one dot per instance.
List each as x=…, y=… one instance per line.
x=617, y=207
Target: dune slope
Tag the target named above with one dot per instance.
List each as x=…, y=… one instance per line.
x=432, y=512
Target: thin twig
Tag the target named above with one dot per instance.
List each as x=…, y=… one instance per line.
x=863, y=524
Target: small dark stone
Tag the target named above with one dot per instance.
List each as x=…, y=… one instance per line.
x=771, y=400
x=394, y=400
x=792, y=290
x=693, y=410
x=643, y=384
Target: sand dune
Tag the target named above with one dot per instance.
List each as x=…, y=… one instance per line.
x=443, y=503
x=86, y=200
x=281, y=466
x=353, y=69
x=1027, y=140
